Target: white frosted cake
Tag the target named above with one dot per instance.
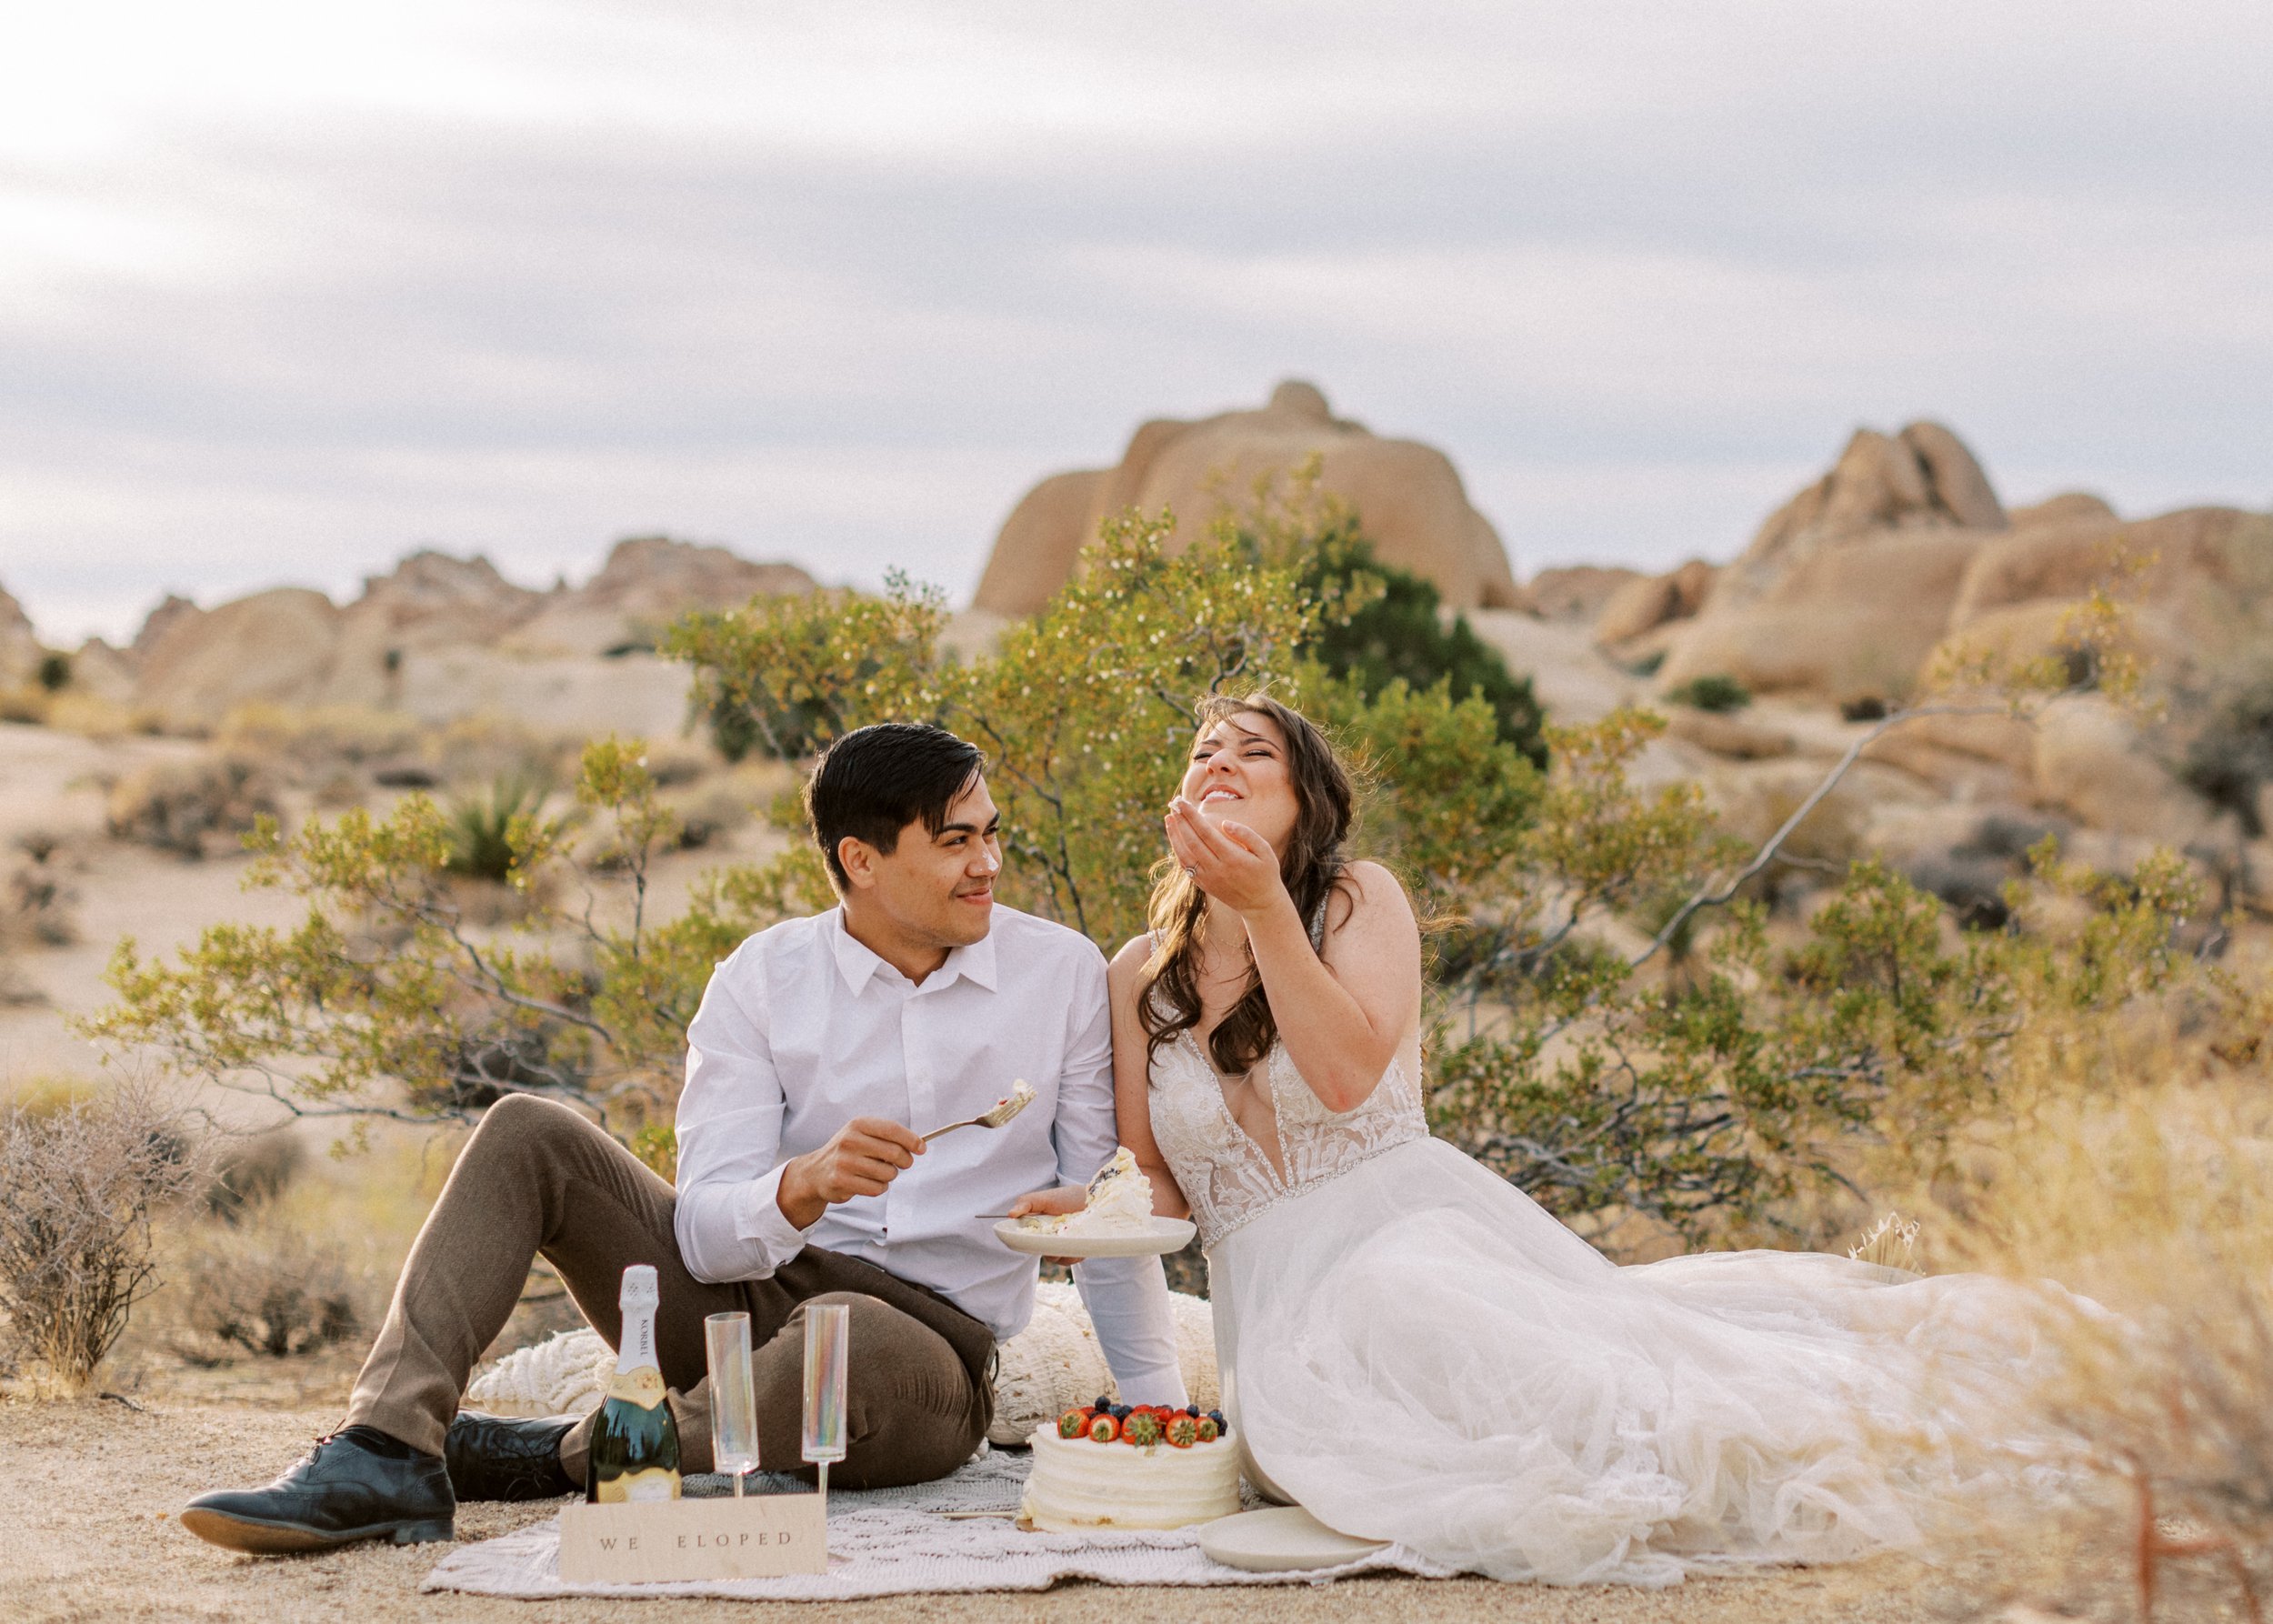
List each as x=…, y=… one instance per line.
x=1119, y=1203
x=1096, y=1469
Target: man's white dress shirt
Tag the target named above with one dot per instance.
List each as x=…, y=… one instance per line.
x=801, y=1028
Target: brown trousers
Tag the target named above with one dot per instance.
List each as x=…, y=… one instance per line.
x=536, y=1180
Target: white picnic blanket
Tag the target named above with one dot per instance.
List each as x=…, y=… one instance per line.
x=893, y=1542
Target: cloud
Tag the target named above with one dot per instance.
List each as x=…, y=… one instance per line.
x=284, y=291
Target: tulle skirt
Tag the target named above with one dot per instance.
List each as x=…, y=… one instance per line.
x=1415, y=1350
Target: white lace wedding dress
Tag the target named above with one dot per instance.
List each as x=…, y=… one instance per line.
x=1415, y=1350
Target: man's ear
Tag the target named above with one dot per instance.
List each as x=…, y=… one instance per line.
x=859, y=860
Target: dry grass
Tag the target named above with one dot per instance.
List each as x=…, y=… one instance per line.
x=2134, y=1163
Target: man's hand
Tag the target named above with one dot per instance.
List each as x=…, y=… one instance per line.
x=863, y=1159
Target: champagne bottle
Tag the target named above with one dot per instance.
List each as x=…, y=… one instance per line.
x=634, y=1444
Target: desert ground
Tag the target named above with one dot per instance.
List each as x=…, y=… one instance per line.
x=89, y=1533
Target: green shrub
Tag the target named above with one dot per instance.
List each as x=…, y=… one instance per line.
x=54, y=672
x=1397, y=634
x=1714, y=693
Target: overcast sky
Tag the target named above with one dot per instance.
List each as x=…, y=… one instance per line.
x=287, y=289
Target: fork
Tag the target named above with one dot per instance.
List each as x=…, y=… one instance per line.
x=995, y=1116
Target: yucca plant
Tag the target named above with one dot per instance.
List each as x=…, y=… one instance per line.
x=480, y=827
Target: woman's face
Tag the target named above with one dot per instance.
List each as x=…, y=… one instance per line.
x=1239, y=772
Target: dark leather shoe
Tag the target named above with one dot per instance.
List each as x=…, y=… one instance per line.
x=500, y=1458
x=355, y=1484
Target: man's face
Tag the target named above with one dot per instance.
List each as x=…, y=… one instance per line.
x=934, y=890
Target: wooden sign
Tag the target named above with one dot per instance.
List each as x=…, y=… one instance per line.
x=760, y=1536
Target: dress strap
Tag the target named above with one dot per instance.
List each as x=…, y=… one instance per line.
x=1318, y=917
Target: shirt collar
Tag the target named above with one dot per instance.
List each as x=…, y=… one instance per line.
x=858, y=965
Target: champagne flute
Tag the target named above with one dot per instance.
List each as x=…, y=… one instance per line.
x=733, y=1403
x=827, y=1327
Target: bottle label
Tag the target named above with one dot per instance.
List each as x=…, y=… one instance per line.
x=652, y=1483
x=642, y=1386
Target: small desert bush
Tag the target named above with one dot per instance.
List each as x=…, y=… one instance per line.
x=35, y=902
x=196, y=808
x=483, y=828
x=83, y=1180
x=263, y=1287
x=1714, y=693
x=292, y=1254
x=249, y=1175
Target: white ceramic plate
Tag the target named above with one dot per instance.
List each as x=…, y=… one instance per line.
x=1280, y=1540
x=1166, y=1235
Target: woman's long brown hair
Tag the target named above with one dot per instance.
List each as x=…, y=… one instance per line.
x=1167, y=992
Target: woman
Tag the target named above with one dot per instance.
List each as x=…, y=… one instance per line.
x=1413, y=1350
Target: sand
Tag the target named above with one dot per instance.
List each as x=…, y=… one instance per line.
x=88, y=1531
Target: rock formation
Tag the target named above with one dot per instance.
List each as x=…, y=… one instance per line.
x=274, y=648
x=19, y=649
x=1408, y=497
x=1848, y=587
x=647, y=583
x=1648, y=602
x=440, y=636
x=1576, y=591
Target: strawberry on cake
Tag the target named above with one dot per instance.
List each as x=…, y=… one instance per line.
x=1124, y=1465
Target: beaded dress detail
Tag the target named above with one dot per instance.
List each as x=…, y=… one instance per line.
x=1226, y=1176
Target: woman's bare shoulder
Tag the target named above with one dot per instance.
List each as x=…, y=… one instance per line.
x=1368, y=892
x=1122, y=971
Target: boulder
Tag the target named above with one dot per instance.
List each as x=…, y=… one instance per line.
x=172, y=610
x=2065, y=508
x=272, y=647
x=1408, y=497
x=1652, y=601
x=1569, y=676
x=1028, y=563
x=1848, y=585
x=19, y=649
x=101, y=671
x=2093, y=762
x=1577, y=592
x=442, y=638
x=1976, y=728
x=1839, y=624
x=429, y=601
x=2212, y=566
x=1754, y=799
x=1726, y=735
x=648, y=582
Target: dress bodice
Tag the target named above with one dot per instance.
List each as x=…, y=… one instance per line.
x=1226, y=1177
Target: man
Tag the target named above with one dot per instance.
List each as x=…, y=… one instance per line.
x=823, y=1048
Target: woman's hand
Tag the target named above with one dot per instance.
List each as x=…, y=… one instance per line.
x=1052, y=1203
x=1229, y=861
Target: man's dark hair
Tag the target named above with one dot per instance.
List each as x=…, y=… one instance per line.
x=877, y=780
